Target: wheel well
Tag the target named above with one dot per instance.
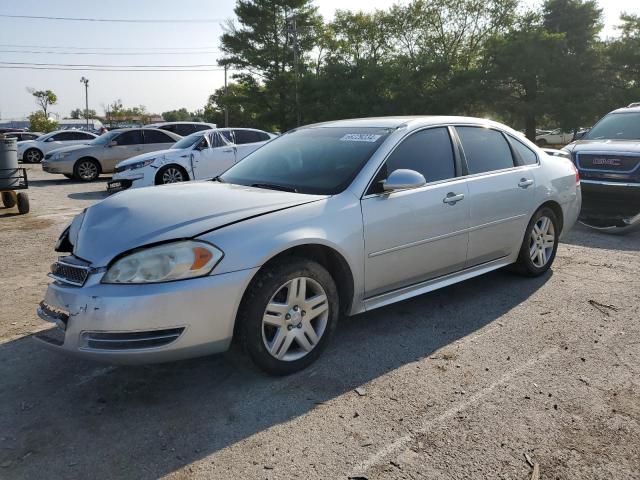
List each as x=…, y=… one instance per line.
x=164, y=167
x=330, y=259
x=33, y=148
x=94, y=160
x=557, y=209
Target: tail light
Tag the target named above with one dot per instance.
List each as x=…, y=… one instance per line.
x=575, y=169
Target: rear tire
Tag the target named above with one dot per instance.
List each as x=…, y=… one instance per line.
x=538, y=249
x=23, y=203
x=8, y=199
x=86, y=169
x=288, y=314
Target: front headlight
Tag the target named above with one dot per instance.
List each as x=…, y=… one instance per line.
x=60, y=155
x=164, y=263
x=141, y=164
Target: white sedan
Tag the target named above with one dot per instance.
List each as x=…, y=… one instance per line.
x=554, y=137
x=33, y=151
x=199, y=156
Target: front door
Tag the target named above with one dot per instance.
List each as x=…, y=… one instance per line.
x=128, y=144
x=501, y=194
x=212, y=156
x=417, y=234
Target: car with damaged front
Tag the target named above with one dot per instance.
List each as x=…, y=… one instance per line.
x=325, y=221
x=608, y=159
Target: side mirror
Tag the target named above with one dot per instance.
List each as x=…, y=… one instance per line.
x=579, y=135
x=403, y=179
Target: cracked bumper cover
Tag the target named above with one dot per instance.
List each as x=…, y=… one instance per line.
x=205, y=307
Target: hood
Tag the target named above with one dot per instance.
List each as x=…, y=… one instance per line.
x=134, y=218
x=69, y=148
x=619, y=146
x=147, y=156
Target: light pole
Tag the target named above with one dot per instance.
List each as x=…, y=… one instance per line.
x=86, y=99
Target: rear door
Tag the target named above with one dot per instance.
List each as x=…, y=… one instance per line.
x=247, y=141
x=501, y=193
x=417, y=234
x=156, y=139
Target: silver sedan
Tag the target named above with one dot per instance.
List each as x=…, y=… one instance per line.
x=326, y=221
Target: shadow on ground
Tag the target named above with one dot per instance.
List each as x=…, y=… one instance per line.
x=584, y=236
x=76, y=419
x=88, y=195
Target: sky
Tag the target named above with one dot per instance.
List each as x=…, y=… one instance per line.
x=158, y=91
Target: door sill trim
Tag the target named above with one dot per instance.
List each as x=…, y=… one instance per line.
x=410, y=291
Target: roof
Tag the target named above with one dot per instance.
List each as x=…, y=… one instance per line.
x=399, y=121
x=631, y=108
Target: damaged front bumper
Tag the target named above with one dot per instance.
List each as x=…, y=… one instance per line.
x=148, y=323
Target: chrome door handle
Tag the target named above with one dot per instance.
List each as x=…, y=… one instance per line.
x=228, y=150
x=452, y=198
x=524, y=183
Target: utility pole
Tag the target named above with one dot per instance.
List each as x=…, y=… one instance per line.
x=86, y=99
x=292, y=29
x=226, y=99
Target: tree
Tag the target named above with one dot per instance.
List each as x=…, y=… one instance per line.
x=44, y=98
x=182, y=115
x=39, y=122
x=623, y=69
x=239, y=99
x=261, y=44
x=77, y=113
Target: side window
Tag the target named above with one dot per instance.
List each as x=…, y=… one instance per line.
x=228, y=135
x=200, y=126
x=485, y=149
x=84, y=136
x=58, y=137
x=263, y=137
x=246, y=136
x=132, y=137
x=157, y=136
x=527, y=155
x=184, y=129
x=168, y=128
x=428, y=152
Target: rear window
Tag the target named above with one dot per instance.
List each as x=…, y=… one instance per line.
x=157, y=136
x=485, y=150
x=247, y=136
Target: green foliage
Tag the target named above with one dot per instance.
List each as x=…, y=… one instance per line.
x=78, y=113
x=44, y=98
x=458, y=57
x=117, y=113
x=182, y=115
x=39, y=122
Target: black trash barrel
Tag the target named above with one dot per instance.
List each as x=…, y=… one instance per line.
x=9, y=173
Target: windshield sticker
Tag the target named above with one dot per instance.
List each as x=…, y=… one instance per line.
x=360, y=137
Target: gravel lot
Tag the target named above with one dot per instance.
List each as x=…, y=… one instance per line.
x=459, y=383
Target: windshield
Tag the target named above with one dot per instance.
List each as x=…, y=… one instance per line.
x=616, y=126
x=105, y=138
x=188, y=141
x=322, y=160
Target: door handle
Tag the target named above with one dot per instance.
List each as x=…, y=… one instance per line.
x=228, y=150
x=525, y=182
x=453, y=198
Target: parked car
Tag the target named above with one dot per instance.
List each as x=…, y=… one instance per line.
x=555, y=137
x=326, y=220
x=182, y=128
x=87, y=162
x=608, y=158
x=22, y=136
x=199, y=156
x=33, y=151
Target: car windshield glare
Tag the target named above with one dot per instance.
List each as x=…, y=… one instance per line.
x=616, y=126
x=317, y=160
x=188, y=141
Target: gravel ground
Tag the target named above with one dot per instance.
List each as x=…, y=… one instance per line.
x=459, y=383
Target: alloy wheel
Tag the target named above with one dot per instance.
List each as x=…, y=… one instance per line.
x=87, y=170
x=33, y=156
x=295, y=319
x=172, y=175
x=542, y=241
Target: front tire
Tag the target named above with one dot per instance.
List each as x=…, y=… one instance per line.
x=33, y=155
x=86, y=169
x=289, y=312
x=23, y=203
x=540, y=244
x=8, y=199
x=171, y=174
